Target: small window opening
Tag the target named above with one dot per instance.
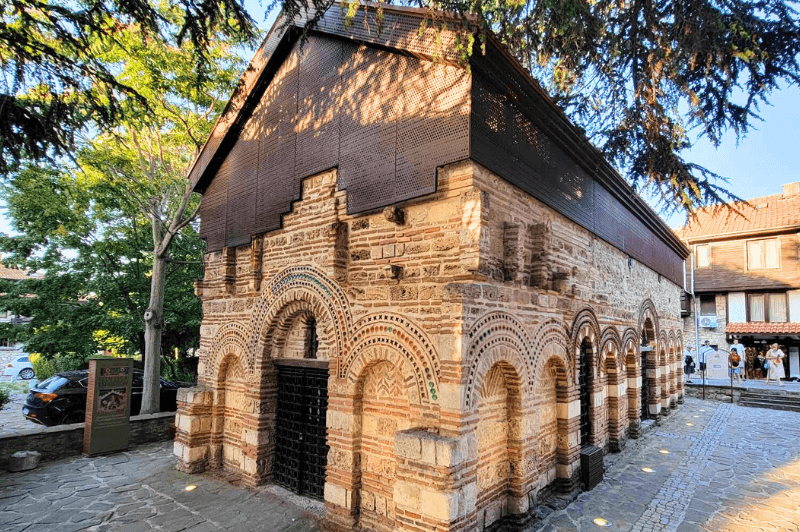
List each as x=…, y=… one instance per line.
x=313, y=341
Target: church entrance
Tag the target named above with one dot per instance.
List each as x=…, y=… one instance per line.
x=301, y=449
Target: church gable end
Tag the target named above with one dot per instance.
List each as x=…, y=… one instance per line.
x=386, y=120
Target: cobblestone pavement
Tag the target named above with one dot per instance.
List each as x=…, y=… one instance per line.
x=11, y=418
x=728, y=468
x=733, y=469
x=140, y=491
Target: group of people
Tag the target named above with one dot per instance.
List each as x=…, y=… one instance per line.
x=771, y=361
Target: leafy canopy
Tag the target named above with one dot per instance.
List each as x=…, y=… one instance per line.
x=87, y=224
x=57, y=81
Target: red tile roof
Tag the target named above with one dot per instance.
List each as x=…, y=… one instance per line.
x=757, y=214
x=763, y=328
x=14, y=273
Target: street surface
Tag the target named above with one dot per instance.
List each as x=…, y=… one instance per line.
x=733, y=469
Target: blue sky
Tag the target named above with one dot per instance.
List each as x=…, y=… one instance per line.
x=768, y=157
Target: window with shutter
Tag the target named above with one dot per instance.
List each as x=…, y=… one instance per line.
x=737, y=307
x=771, y=254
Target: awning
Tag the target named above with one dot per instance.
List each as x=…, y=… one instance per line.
x=763, y=328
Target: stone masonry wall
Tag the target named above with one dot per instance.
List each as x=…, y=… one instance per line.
x=452, y=327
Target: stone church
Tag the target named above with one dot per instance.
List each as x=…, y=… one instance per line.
x=425, y=292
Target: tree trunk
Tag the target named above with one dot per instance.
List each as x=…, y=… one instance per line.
x=153, y=325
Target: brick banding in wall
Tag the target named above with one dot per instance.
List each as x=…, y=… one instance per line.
x=551, y=341
x=402, y=335
x=494, y=337
x=232, y=335
x=328, y=303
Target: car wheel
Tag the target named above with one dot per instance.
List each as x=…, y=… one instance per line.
x=73, y=416
x=26, y=374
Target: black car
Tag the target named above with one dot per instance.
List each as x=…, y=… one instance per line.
x=61, y=399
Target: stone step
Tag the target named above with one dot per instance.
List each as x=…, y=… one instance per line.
x=772, y=406
x=761, y=401
x=770, y=397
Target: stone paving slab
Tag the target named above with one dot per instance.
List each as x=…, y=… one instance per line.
x=728, y=468
x=702, y=484
x=140, y=490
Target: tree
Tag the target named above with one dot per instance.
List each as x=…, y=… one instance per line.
x=56, y=84
x=95, y=251
x=129, y=181
x=644, y=79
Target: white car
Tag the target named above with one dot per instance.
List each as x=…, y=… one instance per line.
x=19, y=368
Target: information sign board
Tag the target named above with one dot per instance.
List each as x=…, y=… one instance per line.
x=108, y=405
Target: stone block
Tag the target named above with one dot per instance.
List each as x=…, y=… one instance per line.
x=249, y=466
x=337, y=495
x=438, y=505
x=428, y=450
x=518, y=505
x=467, y=498
x=406, y=495
x=24, y=461
x=450, y=396
x=407, y=445
x=568, y=410
x=194, y=454
x=448, y=452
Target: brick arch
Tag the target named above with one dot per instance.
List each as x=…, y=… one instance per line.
x=310, y=288
x=551, y=340
x=229, y=338
x=648, y=310
x=370, y=354
x=679, y=342
x=402, y=336
x=585, y=327
x=610, y=340
x=499, y=400
x=663, y=348
x=673, y=346
x=226, y=415
x=277, y=333
x=555, y=366
x=494, y=337
x=630, y=340
x=383, y=399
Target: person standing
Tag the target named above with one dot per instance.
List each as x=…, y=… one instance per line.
x=735, y=366
x=705, y=352
x=688, y=364
x=775, y=359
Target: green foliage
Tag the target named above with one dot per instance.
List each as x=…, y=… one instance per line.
x=88, y=226
x=5, y=394
x=47, y=367
x=181, y=369
x=57, y=84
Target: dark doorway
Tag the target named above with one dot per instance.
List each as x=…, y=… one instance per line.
x=645, y=391
x=301, y=449
x=585, y=376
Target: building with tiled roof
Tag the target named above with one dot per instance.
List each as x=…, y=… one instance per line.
x=746, y=277
x=8, y=348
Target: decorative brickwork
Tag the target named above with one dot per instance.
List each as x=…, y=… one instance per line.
x=452, y=351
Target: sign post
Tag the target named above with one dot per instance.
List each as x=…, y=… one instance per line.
x=108, y=406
